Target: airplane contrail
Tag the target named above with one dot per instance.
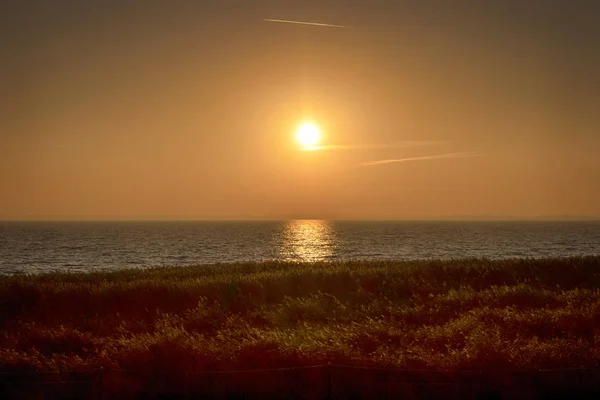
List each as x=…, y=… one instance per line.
x=406, y=143
x=433, y=157
x=286, y=21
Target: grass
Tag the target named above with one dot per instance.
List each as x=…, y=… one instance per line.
x=520, y=314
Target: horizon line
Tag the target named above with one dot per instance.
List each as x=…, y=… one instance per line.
x=431, y=219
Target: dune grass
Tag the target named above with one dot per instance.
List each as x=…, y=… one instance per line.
x=521, y=314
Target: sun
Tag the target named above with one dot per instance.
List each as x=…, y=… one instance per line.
x=308, y=134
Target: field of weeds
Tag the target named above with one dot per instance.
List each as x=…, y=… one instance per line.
x=457, y=315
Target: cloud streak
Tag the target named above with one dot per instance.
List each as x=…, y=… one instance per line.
x=422, y=158
x=287, y=21
x=411, y=143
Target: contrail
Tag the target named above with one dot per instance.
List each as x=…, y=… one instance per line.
x=286, y=21
x=434, y=157
x=413, y=143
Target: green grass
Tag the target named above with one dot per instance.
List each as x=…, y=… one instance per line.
x=463, y=314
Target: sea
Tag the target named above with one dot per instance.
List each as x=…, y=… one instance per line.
x=39, y=247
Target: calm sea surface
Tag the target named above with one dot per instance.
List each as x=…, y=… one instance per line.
x=86, y=246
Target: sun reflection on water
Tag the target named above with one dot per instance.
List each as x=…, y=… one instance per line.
x=308, y=240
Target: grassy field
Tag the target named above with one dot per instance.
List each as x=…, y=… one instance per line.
x=454, y=315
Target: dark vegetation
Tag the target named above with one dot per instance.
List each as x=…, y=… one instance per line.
x=161, y=326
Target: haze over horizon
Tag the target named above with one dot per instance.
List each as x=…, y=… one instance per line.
x=187, y=110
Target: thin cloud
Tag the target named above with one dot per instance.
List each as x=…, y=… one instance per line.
x=422, y=158
x=286, y=21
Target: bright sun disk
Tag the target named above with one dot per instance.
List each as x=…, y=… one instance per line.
x=308, y=134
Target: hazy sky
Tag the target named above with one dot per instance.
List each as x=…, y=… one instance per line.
x=186, y=109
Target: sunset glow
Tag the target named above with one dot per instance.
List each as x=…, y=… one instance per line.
x=271, y=110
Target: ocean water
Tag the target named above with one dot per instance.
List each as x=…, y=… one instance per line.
x=35, y=247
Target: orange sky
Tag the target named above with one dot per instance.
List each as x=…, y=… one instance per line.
x=186, y=110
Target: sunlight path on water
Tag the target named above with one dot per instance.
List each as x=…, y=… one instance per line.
x=308, y=240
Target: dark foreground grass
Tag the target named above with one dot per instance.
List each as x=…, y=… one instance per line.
x=172, y=323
